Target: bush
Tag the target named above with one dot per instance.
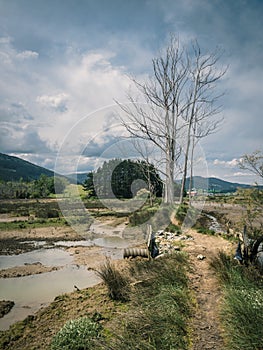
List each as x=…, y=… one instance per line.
x=47, y=213
x=173, y=228
x=76, y=334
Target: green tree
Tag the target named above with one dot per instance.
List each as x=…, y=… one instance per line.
x=59, y=184
x=88, y=186
x=122, y=179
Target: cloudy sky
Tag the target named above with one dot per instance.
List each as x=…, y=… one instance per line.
x=64, y=62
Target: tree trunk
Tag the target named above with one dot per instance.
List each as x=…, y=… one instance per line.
x=191, y=171
x=169, y=181
x=185, y=164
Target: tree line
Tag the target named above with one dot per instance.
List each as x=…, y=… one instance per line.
x=40, y=188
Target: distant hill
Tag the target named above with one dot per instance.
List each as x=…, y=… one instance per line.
x=14, y=168
x=80, y=177
x=213, y=184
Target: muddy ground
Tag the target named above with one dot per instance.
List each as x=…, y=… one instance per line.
x=46, y=322
x=26, y=270
x=20, y=241
x=37, y=330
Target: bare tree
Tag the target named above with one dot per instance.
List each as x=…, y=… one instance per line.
x=253, y=162
x=177, y=97
x=202, y=101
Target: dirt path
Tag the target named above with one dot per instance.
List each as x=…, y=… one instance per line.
x=206, y=330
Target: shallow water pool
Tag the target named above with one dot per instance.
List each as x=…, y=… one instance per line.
x=31, y=292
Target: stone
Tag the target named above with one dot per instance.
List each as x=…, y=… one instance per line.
x=200, y=257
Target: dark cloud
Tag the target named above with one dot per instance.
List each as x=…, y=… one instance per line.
x=98, y=148
x=15, y=112
x=16, y=139
x=47, y=85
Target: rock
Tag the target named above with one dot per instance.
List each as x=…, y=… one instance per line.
x=200, y=257
x=5, y=307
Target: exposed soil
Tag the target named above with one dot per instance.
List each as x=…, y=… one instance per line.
x=88, y=256
x=26, y=270
x=50, y=232
x=206, y=334
x=20, y=241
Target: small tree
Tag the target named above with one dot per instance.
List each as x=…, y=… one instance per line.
x=252, y=221
x=88, y=186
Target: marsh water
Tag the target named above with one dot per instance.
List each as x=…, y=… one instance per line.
x=35, y=291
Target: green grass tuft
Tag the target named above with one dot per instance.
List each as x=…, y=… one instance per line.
x=242, y=306
x=116, y=282
x=78, y=334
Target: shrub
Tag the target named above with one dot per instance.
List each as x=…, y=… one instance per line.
x=76, y=334
x=173, y=228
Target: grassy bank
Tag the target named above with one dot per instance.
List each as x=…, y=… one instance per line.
x=152, y=311
x=242, y=306
x=159, y=307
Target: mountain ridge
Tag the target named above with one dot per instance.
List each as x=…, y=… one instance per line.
x=213, y=184
x=14, y=168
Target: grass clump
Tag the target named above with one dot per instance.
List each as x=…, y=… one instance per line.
x=78, y=334
x=159, y=307
x=116, y=282
x=242, y=307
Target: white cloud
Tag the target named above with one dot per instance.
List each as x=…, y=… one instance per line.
x=9, y=55
x=27, y=54
x=239, y=173
x=56, y=102
x=228, y=164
